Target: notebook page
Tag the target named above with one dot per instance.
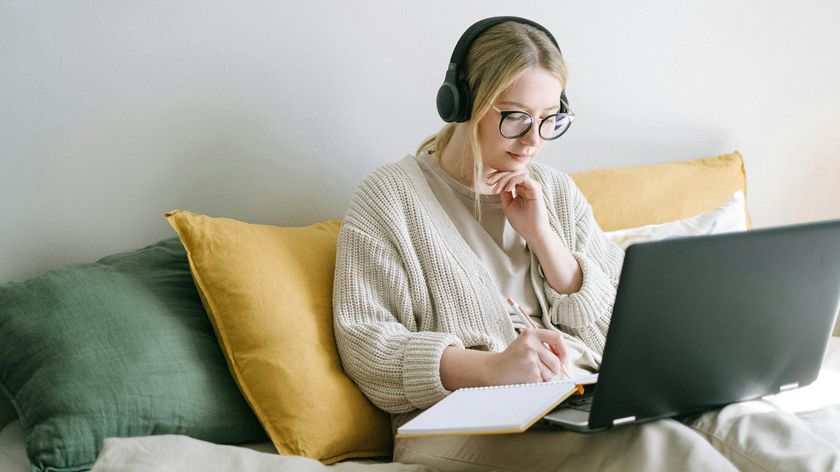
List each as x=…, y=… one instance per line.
x=500, y=409
x=586, y=379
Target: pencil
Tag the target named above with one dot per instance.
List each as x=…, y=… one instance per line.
x=521, y=313
x=529, y=322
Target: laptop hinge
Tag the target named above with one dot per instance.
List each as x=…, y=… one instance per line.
x=626, y=419
x=790, y=386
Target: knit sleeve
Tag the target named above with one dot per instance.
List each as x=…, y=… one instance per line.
x=395, y=366
x=587, y=312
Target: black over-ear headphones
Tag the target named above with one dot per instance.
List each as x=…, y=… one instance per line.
x=454, y=100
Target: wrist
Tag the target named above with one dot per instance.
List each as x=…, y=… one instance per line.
x=489, y=368
x=560, y=267
x=539, y=234
x=460, y=367
x=543, y=239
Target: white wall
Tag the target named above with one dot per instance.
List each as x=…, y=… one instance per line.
x=112, y=113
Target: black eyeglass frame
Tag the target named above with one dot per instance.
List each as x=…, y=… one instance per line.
x=505, y=114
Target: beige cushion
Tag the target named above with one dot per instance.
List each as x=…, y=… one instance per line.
x=626, y=197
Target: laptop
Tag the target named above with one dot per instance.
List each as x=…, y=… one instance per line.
x=703, y=321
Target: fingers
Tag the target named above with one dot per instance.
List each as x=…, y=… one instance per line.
x=554, y=340
x=559, y=349
x=550, y=364
x=506, y=181
x=506, y=198
x=546, y=373
x=496, y=175
x=506, y=184
x=539, y=343
x=523, y=183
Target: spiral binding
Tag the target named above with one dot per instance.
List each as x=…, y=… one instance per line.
x=531, y=384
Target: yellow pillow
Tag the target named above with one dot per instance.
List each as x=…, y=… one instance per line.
x=268, y=292
x=626, y=197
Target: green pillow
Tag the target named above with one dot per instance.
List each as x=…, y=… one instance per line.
x=121, y=347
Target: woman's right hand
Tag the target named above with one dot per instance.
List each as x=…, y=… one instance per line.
x=526, y=360
x=529, y=358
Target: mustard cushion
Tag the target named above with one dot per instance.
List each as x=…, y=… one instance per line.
x=268, y=293
x=625, y=197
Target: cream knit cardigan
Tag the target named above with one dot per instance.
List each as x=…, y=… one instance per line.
x=407, y=285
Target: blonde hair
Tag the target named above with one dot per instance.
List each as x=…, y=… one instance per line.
x=495, y=60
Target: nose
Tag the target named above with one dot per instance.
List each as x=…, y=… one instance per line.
x=532, y=137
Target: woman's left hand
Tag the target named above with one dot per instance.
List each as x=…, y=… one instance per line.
x=526, y=212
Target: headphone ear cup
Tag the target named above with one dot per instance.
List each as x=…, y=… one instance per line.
x=447, y=101
x=453, y=97
x=464, y=102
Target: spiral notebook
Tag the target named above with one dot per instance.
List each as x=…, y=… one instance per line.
x=491, y=410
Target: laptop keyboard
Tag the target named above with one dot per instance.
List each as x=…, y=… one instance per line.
x=583, y=403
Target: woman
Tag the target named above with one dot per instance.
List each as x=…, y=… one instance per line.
x=434, y=244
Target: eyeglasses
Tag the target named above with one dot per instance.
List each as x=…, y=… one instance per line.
x=515, y=124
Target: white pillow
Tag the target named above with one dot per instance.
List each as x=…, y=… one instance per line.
x=727, y=218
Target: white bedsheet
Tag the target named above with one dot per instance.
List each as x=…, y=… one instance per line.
x=172, y=452
x=818, y=405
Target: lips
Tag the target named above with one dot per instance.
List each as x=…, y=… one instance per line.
x=520, y=157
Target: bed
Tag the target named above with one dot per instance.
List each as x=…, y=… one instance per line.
x=817, y=404
x=144, y=351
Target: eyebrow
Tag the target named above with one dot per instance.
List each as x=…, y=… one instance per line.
x=510, y=102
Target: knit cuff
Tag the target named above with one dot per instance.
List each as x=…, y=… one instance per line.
x=421, y=367
x=583, y=308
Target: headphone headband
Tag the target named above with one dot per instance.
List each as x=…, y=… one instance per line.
x=454, y=99
x=459, y=55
